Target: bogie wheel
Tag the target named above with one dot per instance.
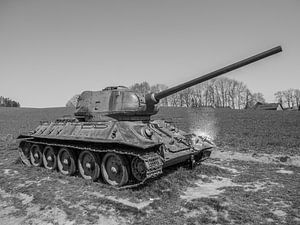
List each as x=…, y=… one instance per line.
x=138, y=168
x=89, y=165
x=66, y=161
x=36, y=155
x=49, y=158
x=114, y=169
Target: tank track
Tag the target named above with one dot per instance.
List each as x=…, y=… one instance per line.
x=153, y=161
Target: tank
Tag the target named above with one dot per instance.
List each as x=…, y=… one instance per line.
x=112, y=136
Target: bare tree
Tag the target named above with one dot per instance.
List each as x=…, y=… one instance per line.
x=288, y=96
x=232, y=92
x=297, y=97
x=258, y=97
x=220, y=92
x=73, y=101
x=142, y=88
x=279, y=97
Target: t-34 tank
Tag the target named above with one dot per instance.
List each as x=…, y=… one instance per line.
x=112, y=136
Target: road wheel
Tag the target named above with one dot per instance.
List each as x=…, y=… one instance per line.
x=88, y=165
x=66, y=161
x=36, y=155
x=49, y=158
x=114, y=169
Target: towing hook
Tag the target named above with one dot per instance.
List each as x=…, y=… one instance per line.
x=192, y=162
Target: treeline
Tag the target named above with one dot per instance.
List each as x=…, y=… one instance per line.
x=7, y=102
x=219, y=92
x=290, y=97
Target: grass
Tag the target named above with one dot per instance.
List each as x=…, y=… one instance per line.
x=59, y=199
x=259, y=131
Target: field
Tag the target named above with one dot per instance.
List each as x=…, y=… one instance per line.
x=253, y=177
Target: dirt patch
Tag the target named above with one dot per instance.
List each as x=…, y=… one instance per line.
x=207, y=189
x=29, y=213
x=283, y=171
x=254, y=157
x=213, y=186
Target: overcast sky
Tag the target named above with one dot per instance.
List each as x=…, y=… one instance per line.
x=51, y=50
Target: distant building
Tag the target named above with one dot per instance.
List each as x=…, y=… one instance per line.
x=268, y=106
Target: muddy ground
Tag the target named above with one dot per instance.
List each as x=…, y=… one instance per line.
x=231, y=188
x=235, y=186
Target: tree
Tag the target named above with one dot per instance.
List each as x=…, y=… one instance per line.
x=73, y=101
x=232, y=92
x=297, y=97
x=7, y=102
x=288, y=95
x=258, y=97
x=219, y=92
x=279, y=97
x=142, y=88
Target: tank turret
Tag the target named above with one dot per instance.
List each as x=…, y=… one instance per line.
x=120, y=103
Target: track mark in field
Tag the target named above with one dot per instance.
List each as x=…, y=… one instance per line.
x=126, y=202
x=232, y=170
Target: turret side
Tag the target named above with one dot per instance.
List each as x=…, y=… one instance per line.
x=112, y=103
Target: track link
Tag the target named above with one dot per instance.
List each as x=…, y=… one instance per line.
x=153, y=161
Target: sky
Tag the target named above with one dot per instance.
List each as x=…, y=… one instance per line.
x=52, y=50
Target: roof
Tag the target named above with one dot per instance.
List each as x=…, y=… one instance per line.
x=267, y=106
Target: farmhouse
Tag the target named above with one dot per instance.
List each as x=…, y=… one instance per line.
x=268, y=106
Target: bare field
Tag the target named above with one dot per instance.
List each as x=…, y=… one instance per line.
x=252, y=178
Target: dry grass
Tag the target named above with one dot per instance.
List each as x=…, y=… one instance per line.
x=249, y=192
x=261, y=131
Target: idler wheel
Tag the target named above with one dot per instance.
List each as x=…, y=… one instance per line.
x=66, y=161
x=138, y=168
x=89, y=165
x=36, y=155
x=24, y=153
x=114, y=169
x=49, y=158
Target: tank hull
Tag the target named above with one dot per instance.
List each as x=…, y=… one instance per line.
x=145, y=147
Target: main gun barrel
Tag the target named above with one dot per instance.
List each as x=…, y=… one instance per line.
x=180, y=87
